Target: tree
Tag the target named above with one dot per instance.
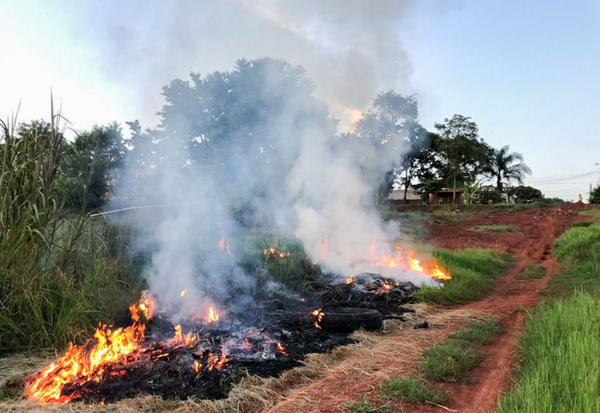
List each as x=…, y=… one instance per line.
x=595, y=195
x=463, y=154
x=391, y=117
x=393, y=120
x=90, y=165
x=525, y=194
x=254, y=115
x=506, y=166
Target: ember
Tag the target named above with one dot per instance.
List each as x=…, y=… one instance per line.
x=319, y=317
x=274, y=252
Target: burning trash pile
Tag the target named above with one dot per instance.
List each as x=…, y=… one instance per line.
x=205, y=357
x=200, y=359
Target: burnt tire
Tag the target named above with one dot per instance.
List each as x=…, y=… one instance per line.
x=348, y=319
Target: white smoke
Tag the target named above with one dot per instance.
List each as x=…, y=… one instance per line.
x=318, y=190
x=350, y=48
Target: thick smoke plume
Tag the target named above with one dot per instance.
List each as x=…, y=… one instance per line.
x=291, y=170
x=350, y=48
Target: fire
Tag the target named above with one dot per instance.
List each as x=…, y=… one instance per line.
x=407, y=261
x=215, y=361
x=187, y=340
x=440, y=274
x=274, y=252
x=197, y=367
x=281, y=349
x=213, y=316
x=319, y=315
x=350, y=279
x=183, y=292
x=224, y=246
x=324, y=249
x=81, y=364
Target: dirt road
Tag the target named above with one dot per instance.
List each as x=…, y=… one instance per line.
x=398, y=354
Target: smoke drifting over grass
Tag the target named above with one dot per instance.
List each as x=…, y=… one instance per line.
x=285, y=163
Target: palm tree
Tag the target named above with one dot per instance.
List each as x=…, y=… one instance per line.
x=507, y=166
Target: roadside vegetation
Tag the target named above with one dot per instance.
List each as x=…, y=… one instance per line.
x=495, y=228
x=413, y=390
x=532, y=271
x=449, y=361
x=561, y=371
x=366, y=406
x=452, y=360
x=473, y=272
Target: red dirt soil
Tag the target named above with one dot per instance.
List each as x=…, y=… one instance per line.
x=531, y=243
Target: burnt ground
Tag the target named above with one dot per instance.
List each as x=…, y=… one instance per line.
x=531, y=243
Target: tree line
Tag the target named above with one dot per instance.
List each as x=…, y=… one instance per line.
x=225, y=115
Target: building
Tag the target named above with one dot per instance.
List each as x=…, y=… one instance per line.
x=446, y=196
x=396, y=196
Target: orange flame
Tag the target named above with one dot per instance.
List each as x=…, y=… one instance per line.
x=215, y=361
x=319, y=315
x=350, y=279
x=224, y=246
x=281, y=349
x=183, y=292
x=274, y=252
x=197, y=367
x=187, y=340
x=407, y=261
x=81, y=364
x=213, y=316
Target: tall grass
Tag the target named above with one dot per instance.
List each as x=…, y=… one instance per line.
x=57, y=275
x=561, y=368
x=473, y=272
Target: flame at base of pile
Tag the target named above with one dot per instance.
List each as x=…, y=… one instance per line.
x=113, y=353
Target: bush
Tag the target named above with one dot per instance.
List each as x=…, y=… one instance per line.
x=490, y=197
x=525, y=194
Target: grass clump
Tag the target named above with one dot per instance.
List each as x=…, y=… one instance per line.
x=532, y=271
x=365, y=406
x=495, y=228
x=481, y=332
x=413, y=390
x=473, y=271
x=450, y=361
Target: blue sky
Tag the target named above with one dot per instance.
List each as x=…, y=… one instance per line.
x=528, y=72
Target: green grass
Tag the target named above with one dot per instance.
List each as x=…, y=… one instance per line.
x=365, y=406
x=495, y=228
x=481, y=332
x=59, y=274
x=450, y=361
x=473, y=272
x=560, y=371
x=532, y=271
x=592, y=212
x=561, y=366
x=413, y=390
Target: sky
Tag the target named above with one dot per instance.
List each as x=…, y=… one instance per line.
x=525, y=71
